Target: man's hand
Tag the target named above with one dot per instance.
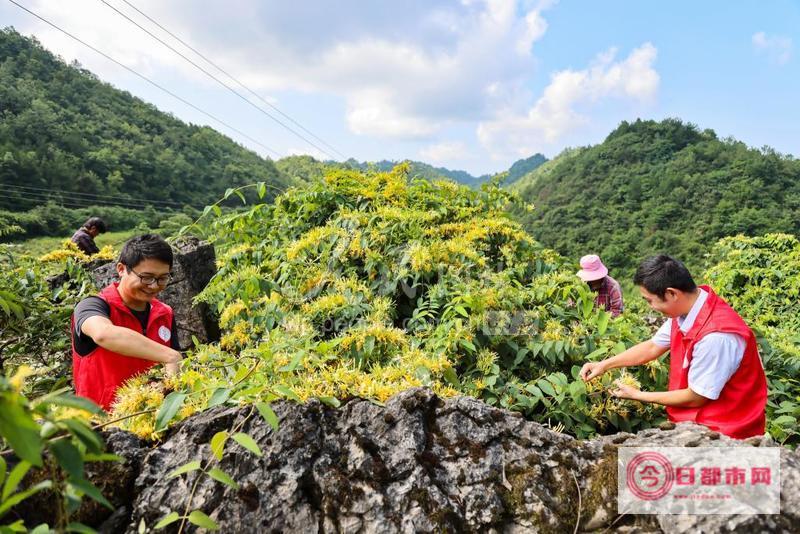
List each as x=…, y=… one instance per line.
x=592, y=370
x=172, y=369
x=173, y=365
x=624, y=391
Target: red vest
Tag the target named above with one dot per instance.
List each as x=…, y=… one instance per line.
x=98, y=374
x=739, y=410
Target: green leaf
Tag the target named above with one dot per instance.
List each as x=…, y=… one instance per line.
x=43, y=528
x=546, y=387
x=86, y=435
x=595, y=353
x=14, y=477
x=269, y=416
x=218, y=443
x=784, y=420
x=241, y=196
x=167, y=520
x=172, y=403
x=292, y=365
x=533, y=390
x=217, y=210
x=80, y=527
x=70, y=401
x=185, y=468
x=602, y=322
x=286, y=392
x=91, y=490
x=333, y=402
x=68, y=456
x=221, y=476
x=262, y=189
x=228, y=192
x=369, y=344
x=462, y=311
x=18, y=526
x=202, y=520
x=577, y=389
x=220, y=396
x=20, y=431
x=450, y=375
x=15, y=499
x=3, y=468
x=248, y=443
x=467, y=344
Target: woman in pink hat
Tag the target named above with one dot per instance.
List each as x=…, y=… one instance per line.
x=609, y=294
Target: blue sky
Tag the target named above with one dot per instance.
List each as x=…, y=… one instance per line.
x=469, y=84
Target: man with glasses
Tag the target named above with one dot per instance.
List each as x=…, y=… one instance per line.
x=125, y=330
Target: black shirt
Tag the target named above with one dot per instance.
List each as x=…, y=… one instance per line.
x=91, y=306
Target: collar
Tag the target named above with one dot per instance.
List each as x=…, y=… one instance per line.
x=685, y=322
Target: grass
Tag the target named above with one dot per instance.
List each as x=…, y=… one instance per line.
x=42, y=245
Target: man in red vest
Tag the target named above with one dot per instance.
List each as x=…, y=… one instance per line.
x=125, y=330
x=716, y=377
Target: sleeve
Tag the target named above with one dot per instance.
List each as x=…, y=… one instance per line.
x=663, y=335
x=89, y=307
x=714, y=360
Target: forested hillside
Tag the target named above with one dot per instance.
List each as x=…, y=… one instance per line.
x=423, y=170
x=659, y=187
x=307, y=168
x=63, y=130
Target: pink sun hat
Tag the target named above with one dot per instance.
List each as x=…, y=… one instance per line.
x=592, y=268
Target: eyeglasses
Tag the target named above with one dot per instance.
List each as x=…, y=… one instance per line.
x=149, y=280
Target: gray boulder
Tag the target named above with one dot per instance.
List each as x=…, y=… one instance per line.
x=419, y=464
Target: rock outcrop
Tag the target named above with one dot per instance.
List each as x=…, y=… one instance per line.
x=419, y=464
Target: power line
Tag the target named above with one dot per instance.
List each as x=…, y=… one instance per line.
x=145, y=78
x=67, y=199
x=222, y=83
x=12, y=201
x=72, y=199
x=230, y=76
x=91, y=195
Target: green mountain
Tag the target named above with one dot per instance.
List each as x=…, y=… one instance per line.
x=524, y=166
x=425, y=170
x=422, y=170
x=63, y=130
x=653, y=187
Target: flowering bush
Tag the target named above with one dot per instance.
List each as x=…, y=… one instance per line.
x=366, y=284
x=760, y=278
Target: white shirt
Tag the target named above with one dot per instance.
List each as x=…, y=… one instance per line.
x=714, y=358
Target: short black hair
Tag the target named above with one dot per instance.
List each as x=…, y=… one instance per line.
x=657, y=273
x=96, y=222
x=145, y=247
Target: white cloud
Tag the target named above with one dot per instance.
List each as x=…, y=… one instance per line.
x=403, y=70
x=444, y=152
x=778, y=48
x=559, y=110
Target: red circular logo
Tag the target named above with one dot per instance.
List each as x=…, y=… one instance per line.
x=649, y=475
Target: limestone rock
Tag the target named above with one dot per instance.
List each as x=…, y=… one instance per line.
x=419, y=464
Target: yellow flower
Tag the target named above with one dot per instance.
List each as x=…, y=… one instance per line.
x=231, y=312
x=17, y=381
